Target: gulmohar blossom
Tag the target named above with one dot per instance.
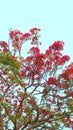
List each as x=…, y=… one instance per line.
x=36, y=91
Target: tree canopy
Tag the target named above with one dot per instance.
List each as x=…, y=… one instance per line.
x=36, y=91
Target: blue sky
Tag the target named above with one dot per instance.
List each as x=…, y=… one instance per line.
x=54, y=17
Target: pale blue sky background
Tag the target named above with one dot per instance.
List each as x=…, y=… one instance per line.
x=54, y=17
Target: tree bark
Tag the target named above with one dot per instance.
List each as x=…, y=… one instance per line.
x=1, y=120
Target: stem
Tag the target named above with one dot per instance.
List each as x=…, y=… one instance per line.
x=1, y=120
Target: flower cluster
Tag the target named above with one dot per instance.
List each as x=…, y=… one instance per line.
x=68, y=73
x=34, y=30
x=57, y=46
x=4, y=46
x=35, y=37
x=51, y=80
x=36, y=91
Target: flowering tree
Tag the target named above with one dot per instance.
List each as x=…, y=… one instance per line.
x=36, y=92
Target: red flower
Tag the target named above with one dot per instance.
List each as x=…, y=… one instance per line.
x=32, y=102
x=57, y=46
x=4, y=46
x=45, y=112
x=14, y=33
x=23, y=73
x=25, y=36
x=51, y=80
x=68, y=73
x=34, y=30
x=34, y=50
x=65, y=58
x=5, y=73
x=62, y=60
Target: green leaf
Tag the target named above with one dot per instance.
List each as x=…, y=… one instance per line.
x=4, y=104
